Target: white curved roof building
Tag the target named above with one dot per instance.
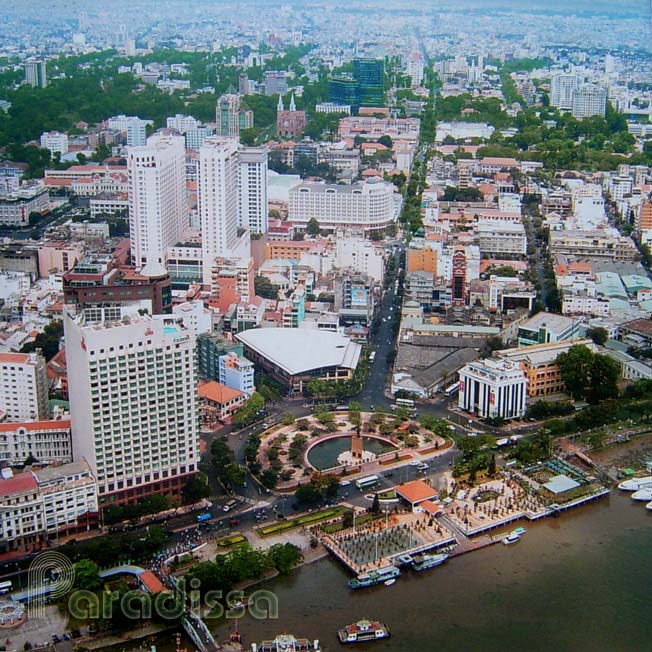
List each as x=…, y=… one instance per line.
x=295, y=356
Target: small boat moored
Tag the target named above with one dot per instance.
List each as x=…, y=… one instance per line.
x=643, y=494
x=389, y=582
x=362, y=631
x=371, y=578
x=511, y=539
x=287, y=643
x=649, y=506
x=424, y=562
x=636, y=483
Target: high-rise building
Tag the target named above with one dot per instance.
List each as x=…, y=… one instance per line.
x=35, y=73
x=158, y=209
x=232, y=115
x=133, y=403
x=589, y=100
x=343, y=90
x=369, y=74
x=643, y=221
x=459, y=277
x=276, y=82
x=563, y=86
x=218, y=199
x=23, y=387
x=252, y=183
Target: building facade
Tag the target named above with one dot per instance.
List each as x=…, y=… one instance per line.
x=44, y=441
x=493, y=388
x=158, y=210
x=23, y=387
x=133, y=402
x=252, y=186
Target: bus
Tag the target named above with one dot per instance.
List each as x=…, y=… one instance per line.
x=202, y=518
x=5, y=587
x=366, y=483
x=405, y=402
x=372, y=356
x=451, y=389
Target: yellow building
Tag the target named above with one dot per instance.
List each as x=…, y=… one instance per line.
x=422, y=260
x=538, y=363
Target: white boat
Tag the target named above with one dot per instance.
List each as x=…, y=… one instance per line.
x=649, y=506
x=643, y=494
x=390, y=582
x=636, y=483
x=511, y=538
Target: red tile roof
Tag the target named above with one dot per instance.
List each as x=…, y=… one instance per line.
x=151, y=582
x=216, y=392
x=416, y=491
x=19, y=484
x=33, y=426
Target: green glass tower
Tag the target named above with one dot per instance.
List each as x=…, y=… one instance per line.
x=343, y=89
x=369, y=73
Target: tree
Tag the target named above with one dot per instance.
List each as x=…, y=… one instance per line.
x=575, y=368
x=195, y=489
x=47, y=341
x=598, y=335
x=386, y=140
x=269, y=478
x=375, y=505
x=284, y=557
x=491, y=470
x=312, y=228
x=87, y=575
x=263, y=287
x=605, y=372
x=287, y=418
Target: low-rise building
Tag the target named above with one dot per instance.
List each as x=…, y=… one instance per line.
x=493, y=388
x=237, y=373
x=40, y=441
x=218, y=403
x=546, y=327
x=17, y=206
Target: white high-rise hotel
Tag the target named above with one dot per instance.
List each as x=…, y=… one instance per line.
x=217, y=200
x=252, y=182
x=23, y=387
x=158, y=210
x=133, y=402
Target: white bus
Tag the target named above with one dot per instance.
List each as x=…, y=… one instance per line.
x=366, y=483
x=372, y=356
x=405, y=402
x=5, y=587
x=451, y=389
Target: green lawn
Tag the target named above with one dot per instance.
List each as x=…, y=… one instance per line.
x=230, y=541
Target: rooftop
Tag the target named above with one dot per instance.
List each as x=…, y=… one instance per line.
x=416, y=491
x=298, y=350
x=550, y=320
x=216, y=392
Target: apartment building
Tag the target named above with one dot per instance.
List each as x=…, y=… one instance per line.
x=23, y=387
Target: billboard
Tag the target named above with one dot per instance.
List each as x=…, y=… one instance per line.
x=359, y=296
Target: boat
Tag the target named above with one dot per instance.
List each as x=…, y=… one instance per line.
x=389, y=582
x=643, y=494
x=521, y=530
x=636, y=483
x=424, y=562
x=287, y=643
x=362, y=631
x=406, y=560
x=374, y=577
x=649, y=506
x=511, y=538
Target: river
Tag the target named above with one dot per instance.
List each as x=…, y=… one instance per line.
x=577, y=583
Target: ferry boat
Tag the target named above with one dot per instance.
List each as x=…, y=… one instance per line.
x=521, y=530
x=374, y=577
x=643, y=494
x=287, y=643
x=424, y=562
x=636, y=483
x=511, y=538
x=362, y=631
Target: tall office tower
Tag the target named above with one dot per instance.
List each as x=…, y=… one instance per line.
x=217, y=200
x=232, y=115
x=133, y=402
x=343, y=90
x=158, y=210
x=563, y=86
x=243, y=85
x=252, y=185
x=459, y=277
x=369, y=73
x=589, y=100
x=23, y=387
x=35, y=74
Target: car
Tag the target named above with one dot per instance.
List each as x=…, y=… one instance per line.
x=345, y=483
x=423, y=467
x=389, y=474
x=372, y=407
x=414, y=463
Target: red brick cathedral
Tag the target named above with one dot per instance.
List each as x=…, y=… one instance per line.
x=290, y=122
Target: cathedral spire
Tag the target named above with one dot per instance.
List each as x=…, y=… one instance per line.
x=279, y=106
x=293, y=106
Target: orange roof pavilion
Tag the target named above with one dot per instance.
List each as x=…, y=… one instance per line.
x=416, y=492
